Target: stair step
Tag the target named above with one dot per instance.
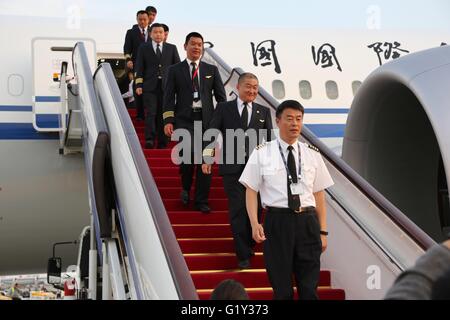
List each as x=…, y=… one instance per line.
x=174, y=193
x=173, y=172
x=137, y=123
x=249, y=278
x=202, y=230
x=158, y=153
x=267, y=294
x=209, y=245
x=142, y=141
x=161, y=162
x=165, y=162
x=177, y=205
x=214, y=217
x=176, y=182
x=217, y=261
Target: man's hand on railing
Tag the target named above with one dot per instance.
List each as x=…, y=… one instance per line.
x=168, y=129
x=139, y=91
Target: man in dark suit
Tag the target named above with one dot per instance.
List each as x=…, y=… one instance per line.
x=166, y=31
x=188, y=97
x=151, y=69
x=151, y=10
x=151, y=16
x=255, y=122
x=133, y=39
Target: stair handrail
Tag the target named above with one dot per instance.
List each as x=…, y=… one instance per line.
x=174, y=257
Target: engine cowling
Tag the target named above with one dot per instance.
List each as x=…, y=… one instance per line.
x=398, y=136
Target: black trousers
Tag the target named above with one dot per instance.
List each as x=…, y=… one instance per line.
x=139, y=103
x=293, y=247
x=239, y=220
x=202, y=181
x=154, y=127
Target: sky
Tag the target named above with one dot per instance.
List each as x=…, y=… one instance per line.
x=354, y=14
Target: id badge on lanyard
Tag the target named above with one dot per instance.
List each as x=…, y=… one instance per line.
x=296, y=188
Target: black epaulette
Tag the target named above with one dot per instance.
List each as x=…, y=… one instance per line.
x=260, y=146
x=313, y=147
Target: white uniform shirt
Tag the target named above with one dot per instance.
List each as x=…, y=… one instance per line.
x=266, y=173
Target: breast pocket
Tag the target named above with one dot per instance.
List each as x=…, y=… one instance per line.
x=272, y=175
x=309, y=174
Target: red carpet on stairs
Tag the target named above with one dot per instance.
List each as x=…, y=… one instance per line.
x=206, y=240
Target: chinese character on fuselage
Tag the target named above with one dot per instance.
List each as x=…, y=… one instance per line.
x=326, y=56
x=390, y=50
x=264, y=54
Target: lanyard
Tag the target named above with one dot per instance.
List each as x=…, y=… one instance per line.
x=285, y=162
x=195, y=74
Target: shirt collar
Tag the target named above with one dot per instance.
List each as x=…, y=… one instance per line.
x=284, y=145
x=155, y=44
x=240, y=104
x=190, y=61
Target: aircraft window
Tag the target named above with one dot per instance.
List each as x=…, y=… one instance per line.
x=332, y=90
x=278, y=89
x=15, y=85
x=305, y=89
x=355, y=86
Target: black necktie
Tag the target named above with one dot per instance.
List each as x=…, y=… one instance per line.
x=293, y=199
x=244, y=117
x=158, y=52
x=195, y=83
x=143, y=35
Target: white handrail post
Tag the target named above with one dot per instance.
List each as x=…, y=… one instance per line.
x=106, y=281
x=62, y=109
x=92, y=264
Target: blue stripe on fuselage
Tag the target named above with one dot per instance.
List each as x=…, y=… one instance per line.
x=24, y=131
x=19, y=131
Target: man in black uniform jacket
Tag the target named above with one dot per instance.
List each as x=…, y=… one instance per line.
x=151, y=69
x=254, y=119
x=151, y=16
x=133, y=39
x=188, y=97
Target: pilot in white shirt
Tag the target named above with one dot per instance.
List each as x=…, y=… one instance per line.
x=292, y=192
x=267, y=173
